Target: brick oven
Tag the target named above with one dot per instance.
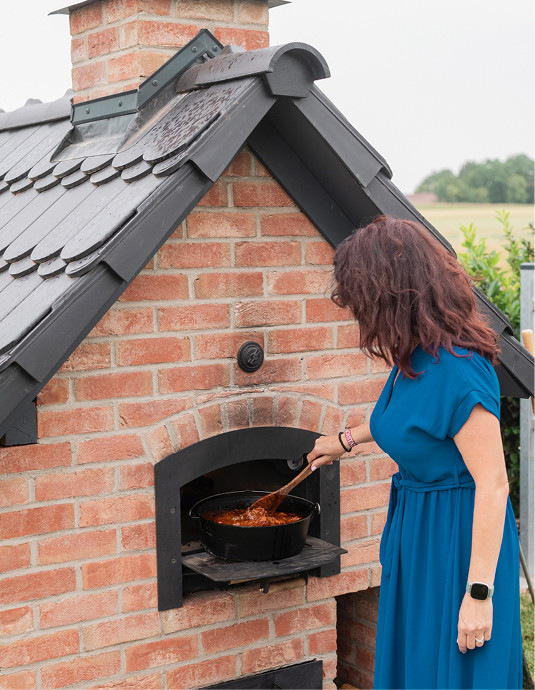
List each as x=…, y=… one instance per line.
x=186, y=205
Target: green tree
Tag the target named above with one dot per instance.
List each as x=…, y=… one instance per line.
x=517, y=189
x=522, y=165
x=437, y=182
x=501, y=284
x=490, y=181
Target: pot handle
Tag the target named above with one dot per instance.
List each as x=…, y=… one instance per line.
x=317, y=508
x=192, y=513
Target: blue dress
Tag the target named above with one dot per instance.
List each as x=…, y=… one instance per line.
x=426, y=543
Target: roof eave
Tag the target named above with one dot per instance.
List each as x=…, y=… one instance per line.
x=83, y=3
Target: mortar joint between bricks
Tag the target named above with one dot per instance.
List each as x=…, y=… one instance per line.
x=172, y=435
x=116, y=417
x=116, y=478
x=249, y=411
x=79, y=581
x=323, y=412
x=34, y=552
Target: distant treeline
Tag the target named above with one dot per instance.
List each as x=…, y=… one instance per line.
x=489, y=182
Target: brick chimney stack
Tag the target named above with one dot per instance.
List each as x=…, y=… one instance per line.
x=116, y=44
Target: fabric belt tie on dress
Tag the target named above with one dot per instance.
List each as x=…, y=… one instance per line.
x=391, y=539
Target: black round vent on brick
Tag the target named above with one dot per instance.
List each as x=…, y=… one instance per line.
x=250, y=356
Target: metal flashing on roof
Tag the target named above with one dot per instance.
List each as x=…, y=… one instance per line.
x=123, y=103
x=203, y=47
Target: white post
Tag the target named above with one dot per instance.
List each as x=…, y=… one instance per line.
x=527, y=430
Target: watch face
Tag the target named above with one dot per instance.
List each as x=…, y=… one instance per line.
x=479, y=591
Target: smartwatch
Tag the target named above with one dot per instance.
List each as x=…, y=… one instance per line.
x=479, y=590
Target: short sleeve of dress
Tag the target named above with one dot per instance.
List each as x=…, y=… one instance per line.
x=477, y=384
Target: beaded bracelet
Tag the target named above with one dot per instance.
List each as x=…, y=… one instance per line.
x=349, y=438
x=342, y=443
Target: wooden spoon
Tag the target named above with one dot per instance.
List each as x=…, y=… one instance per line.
x=272, y=501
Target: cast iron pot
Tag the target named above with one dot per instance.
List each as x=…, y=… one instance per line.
x=238, y=543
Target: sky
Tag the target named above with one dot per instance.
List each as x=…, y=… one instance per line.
x=430, y=84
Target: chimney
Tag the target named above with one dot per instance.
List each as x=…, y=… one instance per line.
x=116, y=44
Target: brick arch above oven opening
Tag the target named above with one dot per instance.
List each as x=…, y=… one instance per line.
x=215, y=414
x=224, y=450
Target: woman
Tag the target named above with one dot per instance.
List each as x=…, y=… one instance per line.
x=449, y=603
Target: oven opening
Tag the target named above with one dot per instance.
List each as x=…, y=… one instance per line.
x=234, y=462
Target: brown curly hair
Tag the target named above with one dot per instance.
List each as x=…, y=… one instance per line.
x=404, y=287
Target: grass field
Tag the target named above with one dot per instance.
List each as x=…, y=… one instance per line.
x=447, y=218
x=526, y=615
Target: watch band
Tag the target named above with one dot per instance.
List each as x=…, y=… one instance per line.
x=479, y=590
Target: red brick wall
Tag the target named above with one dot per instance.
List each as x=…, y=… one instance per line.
x=116, y=44
x=357, y=626
x=78, y=587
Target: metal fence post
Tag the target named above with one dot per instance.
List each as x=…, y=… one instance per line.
x=527, y=429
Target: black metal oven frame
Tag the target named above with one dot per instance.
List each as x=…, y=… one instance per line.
x=257, y=443
x=307, y=675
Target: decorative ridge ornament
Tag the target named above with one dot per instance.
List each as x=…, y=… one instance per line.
x=302, y=61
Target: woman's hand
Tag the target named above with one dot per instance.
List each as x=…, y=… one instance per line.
x=475, y=623
x=326, y=449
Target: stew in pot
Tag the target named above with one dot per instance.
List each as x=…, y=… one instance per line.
x=251, y=517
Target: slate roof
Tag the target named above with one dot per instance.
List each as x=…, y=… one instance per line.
x=88, y=193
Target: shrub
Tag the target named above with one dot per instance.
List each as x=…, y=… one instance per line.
x=501, y=284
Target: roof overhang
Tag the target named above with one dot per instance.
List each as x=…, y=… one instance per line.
x=76, y=5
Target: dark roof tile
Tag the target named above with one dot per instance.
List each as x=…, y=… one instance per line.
x=20, y=152
x=36, y=303
x=12, y=147
x=67, y=167
x=22, y=267
x=109, y=219
x=21, y=185
x=74, y=179
x=105, y=175
x=46, y=182
x=36, y=163
x=39, y=229
x=92, y=164
x=70, y=225
x=79, y=267
x=51, y=268
x=137, y=171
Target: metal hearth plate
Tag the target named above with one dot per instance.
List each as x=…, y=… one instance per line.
x=315, y=553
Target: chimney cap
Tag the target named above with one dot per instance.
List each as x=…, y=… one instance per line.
x=82, y=3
